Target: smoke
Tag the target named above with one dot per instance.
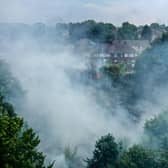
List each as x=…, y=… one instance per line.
x=64, y=110
x=61, y=108
x=152, y=78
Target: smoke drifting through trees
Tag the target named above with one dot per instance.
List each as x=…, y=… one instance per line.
x=65, y=112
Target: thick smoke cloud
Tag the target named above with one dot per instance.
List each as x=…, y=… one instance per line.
x=64, y=111
x=61, y=111
x=152, y=71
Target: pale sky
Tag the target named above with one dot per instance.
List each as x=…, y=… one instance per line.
x=114, y=11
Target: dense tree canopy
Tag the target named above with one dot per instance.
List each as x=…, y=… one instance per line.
x=105, y=154
x=127, y=32
x=98, y=32
x=146, y=33
x=138, y=157
x=110, y=154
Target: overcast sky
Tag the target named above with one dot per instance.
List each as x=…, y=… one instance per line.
x=115, y=11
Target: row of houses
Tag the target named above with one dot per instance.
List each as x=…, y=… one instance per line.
x=118, y=52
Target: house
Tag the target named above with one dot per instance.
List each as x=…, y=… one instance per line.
x=123, y=52
x=138, y=45
x=97, y=55
x=120, y=52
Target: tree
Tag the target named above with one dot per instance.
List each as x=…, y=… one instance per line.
x=102, y=32
x=105, y=154
x=114, y=71
x=146, y=33
x=127, y=32
x=98, y=32
x=18, y=145
x=138, y=157
x=156, y=131
x=163, y=160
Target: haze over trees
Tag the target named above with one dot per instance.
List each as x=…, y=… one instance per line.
x=19, y=143
x=96, y=31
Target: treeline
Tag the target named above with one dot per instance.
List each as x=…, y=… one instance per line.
x=152, y=152
x=90, y=29
x=109, y=152
x=106, y=32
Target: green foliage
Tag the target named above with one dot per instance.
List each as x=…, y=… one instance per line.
x=113, y=71
x=99, y=32
x=138, y=157
x=109, y=154
x=105, y=153
x=146, y=33
x=163, y=160
x=9, y=86
x=127, y=32
x=156, y=131
x=107, y=32
x=102, y=32
x=18, y=146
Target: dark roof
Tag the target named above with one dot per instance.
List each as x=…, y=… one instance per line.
x=138, y=43
x=119, y=47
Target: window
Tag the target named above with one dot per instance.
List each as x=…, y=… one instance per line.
x=119, y=54
x=125, y=55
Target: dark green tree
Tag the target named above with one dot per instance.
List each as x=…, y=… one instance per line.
x=138, y=157
x=98, y=32
x=105, y=154
x=146, y=33
x=113, y=71
x=127, y=32
x=163, y=160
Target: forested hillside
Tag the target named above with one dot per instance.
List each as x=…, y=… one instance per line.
x=96, y=31
x=70, y=106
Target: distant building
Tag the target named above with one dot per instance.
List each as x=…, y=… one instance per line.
x=123, y=52
x=118, y=52
x=138, y=45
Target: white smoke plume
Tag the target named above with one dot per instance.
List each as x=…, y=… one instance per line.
x=61, y=111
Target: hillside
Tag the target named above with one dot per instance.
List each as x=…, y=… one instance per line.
x=80, y=84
